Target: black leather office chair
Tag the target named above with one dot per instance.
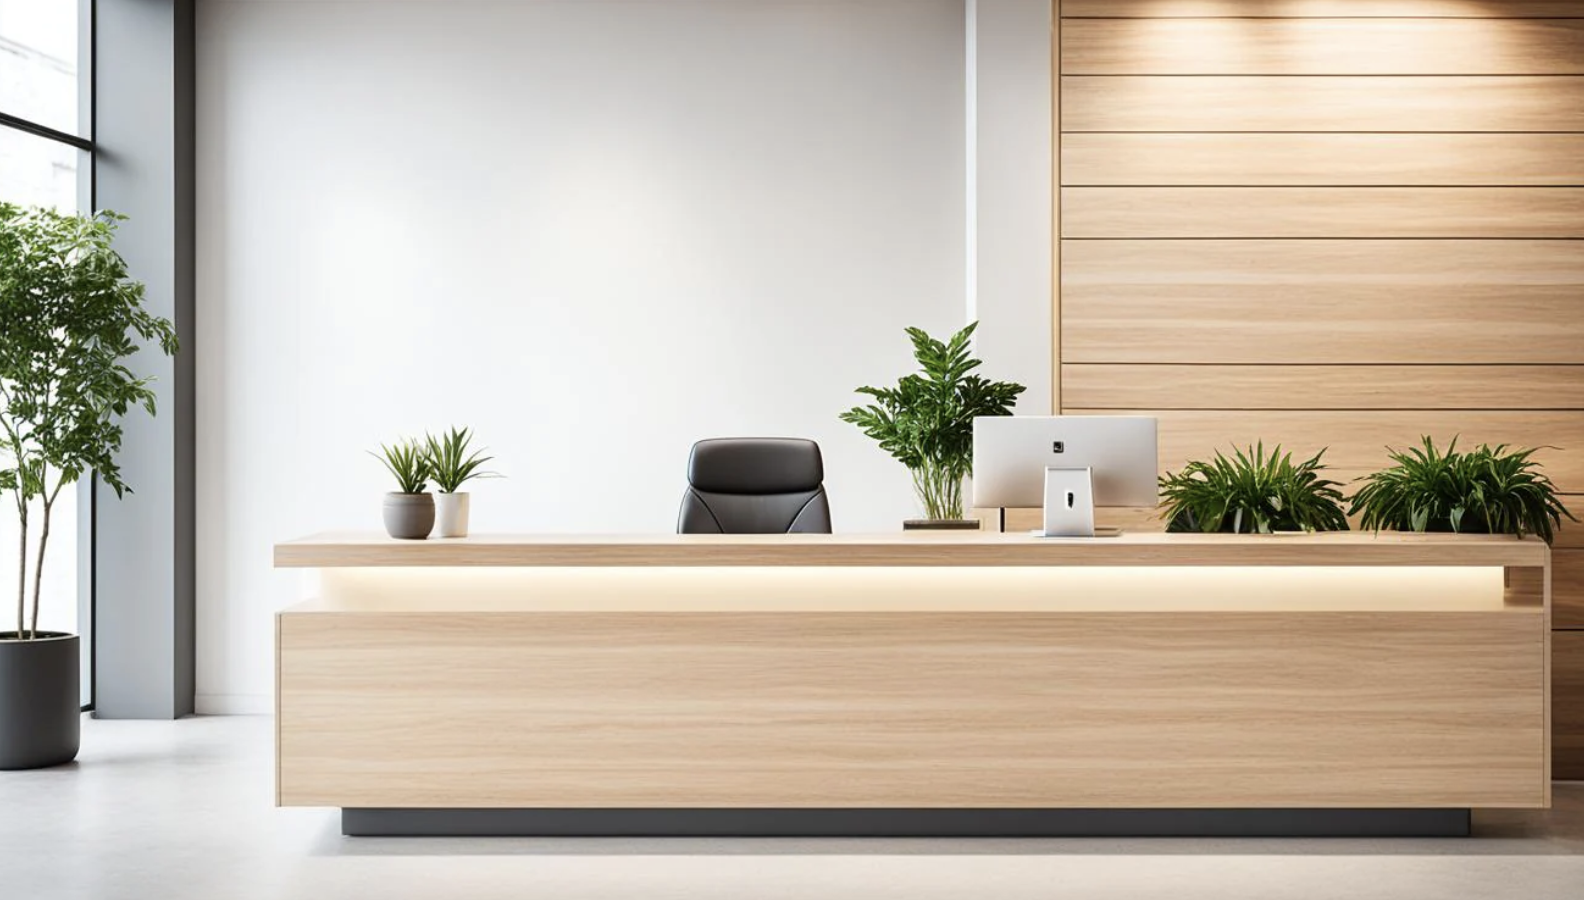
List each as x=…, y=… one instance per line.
x=755, y=486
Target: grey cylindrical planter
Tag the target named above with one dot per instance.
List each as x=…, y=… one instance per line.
x=40, y=700
x=409, y=516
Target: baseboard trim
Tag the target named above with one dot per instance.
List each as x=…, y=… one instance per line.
x=906, y=822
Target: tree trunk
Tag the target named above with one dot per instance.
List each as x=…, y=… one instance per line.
x=38, y=564
x=22, y=577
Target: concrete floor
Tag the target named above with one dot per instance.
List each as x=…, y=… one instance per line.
x=182, y=811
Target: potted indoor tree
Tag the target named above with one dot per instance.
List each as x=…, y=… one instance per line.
x=1487, y=490
x=451, y=465
x=69, y=319
x=1252, y=493
x=409, y=511
x=926, y=422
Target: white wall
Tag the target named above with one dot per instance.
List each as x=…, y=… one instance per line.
x=596, y=231
x=1010, y=215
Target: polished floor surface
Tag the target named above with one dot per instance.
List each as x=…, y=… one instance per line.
x=182, y=811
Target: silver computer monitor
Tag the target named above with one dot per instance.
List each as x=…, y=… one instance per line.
x=1011, y=454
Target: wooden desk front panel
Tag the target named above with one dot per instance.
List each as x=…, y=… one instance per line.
x=1210, y=709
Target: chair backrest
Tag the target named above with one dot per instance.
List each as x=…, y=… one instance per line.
x=755, y=486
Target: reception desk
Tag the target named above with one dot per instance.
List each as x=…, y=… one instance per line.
x=902, y=684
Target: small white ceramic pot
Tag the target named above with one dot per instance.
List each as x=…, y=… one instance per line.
x=454, y=514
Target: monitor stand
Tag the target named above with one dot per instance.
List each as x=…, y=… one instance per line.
x=1069, y=503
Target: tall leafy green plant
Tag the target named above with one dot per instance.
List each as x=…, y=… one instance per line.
x=1487, y=490
x=926, y=420
x=70, y=317
x=1252, y=492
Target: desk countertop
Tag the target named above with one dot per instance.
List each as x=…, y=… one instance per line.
x=372, y=550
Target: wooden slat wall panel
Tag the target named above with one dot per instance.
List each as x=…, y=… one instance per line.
x=1567, y=704
x=1319, y=327
x=1436, y=160
x=1339, y=223
x=1451, y=9
x=1310, y=212
x=1567, y=588
x=1571, y=536
x=1544, y=103
x=1322, y=387
x=1358, y=438
x=1419, y=46
x=1322, y=301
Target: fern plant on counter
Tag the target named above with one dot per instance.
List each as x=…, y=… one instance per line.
x=1487, y=490
x=1252, y=493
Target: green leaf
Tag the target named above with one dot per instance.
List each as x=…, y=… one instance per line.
x=925, y=421
x=1252, y=491
x=449, y=462
x=1488, y=489
x=406, y=461
x=71, y=316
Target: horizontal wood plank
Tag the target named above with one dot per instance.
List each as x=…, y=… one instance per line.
x=1322, y=387
x=1314, y=325
x=1567, y=587
x=1358, y=439
x=1383, y=709
x=1322, y=159
x=1343, y=46
x=1567, y=704
x=1152, y=9
x=1542, y=103
x=1367, y=301
x=1571, y=535
x=1321, y=212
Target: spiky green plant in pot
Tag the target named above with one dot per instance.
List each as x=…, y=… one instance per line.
x=1486, y=490
x=1252, y=493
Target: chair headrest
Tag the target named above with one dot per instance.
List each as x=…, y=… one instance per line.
x=755, y=465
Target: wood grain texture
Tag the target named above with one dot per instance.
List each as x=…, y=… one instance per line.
x=368, y=549
x=1358, y=439
x=1571, y=535
x=1128, y=519
x=1321, y=212
x=1567, y=588
x=1567, y=704
x=1344, y=46
x=1127, y=386
x=1371, y=301
x=952, y=710
x=1322, y=159
x=1542, y=103
x=1148, y=9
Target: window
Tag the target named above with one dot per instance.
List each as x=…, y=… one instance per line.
x=46, y=159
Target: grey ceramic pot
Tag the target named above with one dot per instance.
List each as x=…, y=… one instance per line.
x=40, y=700
x=409, y=516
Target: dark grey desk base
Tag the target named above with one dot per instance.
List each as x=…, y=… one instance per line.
x=982, y=823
